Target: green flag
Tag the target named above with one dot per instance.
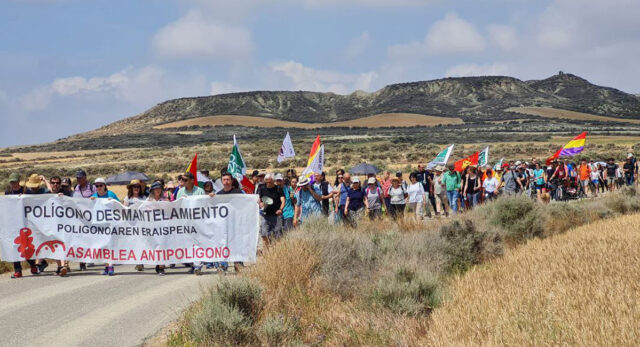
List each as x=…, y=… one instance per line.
x=483, y=157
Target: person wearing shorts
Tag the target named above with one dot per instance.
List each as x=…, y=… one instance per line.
x=584, y=174
x=272, y=201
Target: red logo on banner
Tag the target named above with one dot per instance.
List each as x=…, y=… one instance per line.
x=25, y=241
x=52, y=245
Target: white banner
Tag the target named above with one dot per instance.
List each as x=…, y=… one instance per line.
x=198, y=228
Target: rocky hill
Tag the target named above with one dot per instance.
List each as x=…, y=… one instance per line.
x=470, y=98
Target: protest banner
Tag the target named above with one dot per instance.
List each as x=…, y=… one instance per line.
x=200, y=228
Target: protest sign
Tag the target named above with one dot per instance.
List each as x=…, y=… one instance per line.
x=200, y=228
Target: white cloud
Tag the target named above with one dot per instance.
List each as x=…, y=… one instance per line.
x=450, y=35
x=306, y=78
x=196, y=35
x=465, y=70
x=357, y=46
x=139, y=87
x=503, y=36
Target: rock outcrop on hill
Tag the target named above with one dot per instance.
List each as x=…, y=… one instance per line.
x=470, y=98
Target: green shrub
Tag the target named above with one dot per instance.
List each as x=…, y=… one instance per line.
x=278, y=331
x=217, y=323
x=242, y=294
x=407, y=292
x=519, y=217
x=465, y=246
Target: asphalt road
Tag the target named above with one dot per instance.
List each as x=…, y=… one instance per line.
x=88, y=309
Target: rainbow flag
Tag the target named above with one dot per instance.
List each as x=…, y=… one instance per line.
x=316, y=159
x=572, y=148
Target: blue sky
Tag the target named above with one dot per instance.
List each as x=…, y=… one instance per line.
x=68, y=66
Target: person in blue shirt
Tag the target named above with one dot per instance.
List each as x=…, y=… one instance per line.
x=308, y=201
x=103, y=193
x=289, y=203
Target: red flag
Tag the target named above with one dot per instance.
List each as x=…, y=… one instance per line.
x=461, y=164
x=555, y=156
x=193, y=168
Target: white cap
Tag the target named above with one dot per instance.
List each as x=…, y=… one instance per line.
x=629, y=155
x=371, y=180
x=518, y=163
x=100, y=180
x=278, y=177
x=268, y=176
x=355, y=180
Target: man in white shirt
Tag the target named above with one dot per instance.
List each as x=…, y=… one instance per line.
x=490, y=186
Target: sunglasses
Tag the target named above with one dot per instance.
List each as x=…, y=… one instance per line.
x=100, y=185
x=52, y=183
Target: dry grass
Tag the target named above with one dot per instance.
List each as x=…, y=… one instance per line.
x=579, y=288
x=548, y=112
x=376, y=121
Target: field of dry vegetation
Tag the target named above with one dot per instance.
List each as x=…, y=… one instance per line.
x=579, y=289
x=406, y=284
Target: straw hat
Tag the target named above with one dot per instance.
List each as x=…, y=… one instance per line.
x=34, y=181
x=134, y=183
x=303, y=181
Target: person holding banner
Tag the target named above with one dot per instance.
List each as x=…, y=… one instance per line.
x=190, y=189
x=16, y=189
x=156, y=193
x=102, y=192
x=228, y=188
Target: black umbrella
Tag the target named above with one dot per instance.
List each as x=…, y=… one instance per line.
x=364, y=169
x=126, y=177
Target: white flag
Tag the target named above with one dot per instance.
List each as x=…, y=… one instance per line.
x=441, y=159
x=317, y=165
x=286, y=151
x=483, y=157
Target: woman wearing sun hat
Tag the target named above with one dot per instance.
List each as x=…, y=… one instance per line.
x=156, y=193
x=102, y=192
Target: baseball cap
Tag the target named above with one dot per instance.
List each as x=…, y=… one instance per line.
x=371, y=180
x=279, y=177
x=81, y=173
x=255, y=173
x=155, y=185
x=355, y=180
x=188, y=175
x=398, y=173
x=100, y=180
x=65, y=182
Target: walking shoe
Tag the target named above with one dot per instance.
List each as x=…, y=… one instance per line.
x=111, y=271
x=209, y=265
x=172, y=266
x=198, y=270
x=58, y=270
x=191, y=271
x=34, y=270
x=83, y=266
x=106, y=271
x=161, y=272
x=17, y=274
x=42, y=266
x=140, y=267
x=63, y=272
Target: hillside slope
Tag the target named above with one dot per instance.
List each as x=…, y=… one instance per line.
x=470, y=98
